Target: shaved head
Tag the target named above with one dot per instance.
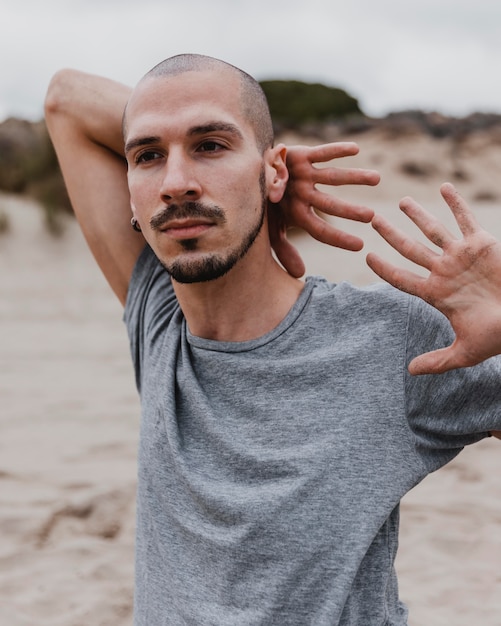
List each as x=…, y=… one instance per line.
x=253, y=100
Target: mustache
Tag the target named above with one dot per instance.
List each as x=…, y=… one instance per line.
x=187, y=210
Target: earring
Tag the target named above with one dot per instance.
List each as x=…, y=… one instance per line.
x=135, y=225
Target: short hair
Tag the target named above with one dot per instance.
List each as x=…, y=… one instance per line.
x=253, y=99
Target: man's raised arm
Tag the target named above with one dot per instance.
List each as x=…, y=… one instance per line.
x=84, y=119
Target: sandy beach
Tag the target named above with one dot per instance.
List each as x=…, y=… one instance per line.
x=69, y=426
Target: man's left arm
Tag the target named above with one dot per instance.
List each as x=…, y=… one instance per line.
x=463, y=281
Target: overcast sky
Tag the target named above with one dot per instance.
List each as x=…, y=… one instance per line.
x=442, y=55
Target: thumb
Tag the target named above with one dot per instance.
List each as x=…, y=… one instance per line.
x=436, y=362
x=286, y=253
x=289, y=257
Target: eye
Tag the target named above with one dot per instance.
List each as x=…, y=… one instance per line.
x=147, y=156
x=210, y=146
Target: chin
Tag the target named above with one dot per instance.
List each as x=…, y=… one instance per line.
x=203, y=270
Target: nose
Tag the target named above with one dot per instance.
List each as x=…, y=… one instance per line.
x=179, y=181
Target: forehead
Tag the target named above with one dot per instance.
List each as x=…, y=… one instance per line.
x=185, y=99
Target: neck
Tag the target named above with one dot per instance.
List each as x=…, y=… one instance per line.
x=246, y=303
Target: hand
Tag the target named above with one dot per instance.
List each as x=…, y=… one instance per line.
x=302, y=198
x=464, y=281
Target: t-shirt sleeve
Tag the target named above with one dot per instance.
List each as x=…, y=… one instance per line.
x=150, y=304
x=448, y=411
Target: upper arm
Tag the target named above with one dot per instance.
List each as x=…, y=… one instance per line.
x=84, y=118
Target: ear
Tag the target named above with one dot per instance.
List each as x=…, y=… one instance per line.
x=277, y=174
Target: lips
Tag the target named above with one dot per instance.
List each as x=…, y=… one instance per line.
x=186, y=229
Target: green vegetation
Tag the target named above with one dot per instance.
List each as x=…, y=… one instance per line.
x=294, y=103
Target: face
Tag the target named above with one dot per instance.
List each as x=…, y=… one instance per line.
x=198, y=183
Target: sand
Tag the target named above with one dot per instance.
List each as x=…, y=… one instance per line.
x=69, y=427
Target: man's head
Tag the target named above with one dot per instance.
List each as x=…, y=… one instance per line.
x=253, y=100
x=202, y=166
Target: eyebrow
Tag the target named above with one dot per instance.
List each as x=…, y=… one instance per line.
x=201, y=129
x=210, y=127
x=140, y=141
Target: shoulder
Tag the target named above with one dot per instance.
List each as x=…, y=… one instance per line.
x=350, y=292
x=150, y=295
x=377, y=302
x=150, y=308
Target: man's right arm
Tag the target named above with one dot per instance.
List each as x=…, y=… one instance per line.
x=84, y=119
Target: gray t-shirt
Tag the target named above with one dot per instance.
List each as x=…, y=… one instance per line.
x=271, y=470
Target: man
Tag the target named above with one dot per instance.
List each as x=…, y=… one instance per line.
x=280, y=427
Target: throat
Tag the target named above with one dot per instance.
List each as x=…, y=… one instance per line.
x=220, y=311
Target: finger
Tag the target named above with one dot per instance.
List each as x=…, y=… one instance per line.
x=434, y=230
x=409, y=248
x=340, y=208
x=345, y=176
x=401, y=279
x=328, y=151
x=465, y=218
x=324, y=232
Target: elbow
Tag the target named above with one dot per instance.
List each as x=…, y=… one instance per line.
x=60, y=93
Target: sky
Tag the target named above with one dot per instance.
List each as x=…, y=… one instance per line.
x=392, y=55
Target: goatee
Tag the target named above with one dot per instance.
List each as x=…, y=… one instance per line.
x=210, y=266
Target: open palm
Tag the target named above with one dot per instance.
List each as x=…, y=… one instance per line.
x=464, y=280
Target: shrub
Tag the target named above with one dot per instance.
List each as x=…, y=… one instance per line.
x=294, y=103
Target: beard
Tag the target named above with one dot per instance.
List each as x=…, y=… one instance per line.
x=211, y=266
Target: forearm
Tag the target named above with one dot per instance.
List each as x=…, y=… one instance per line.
x=84, y=117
